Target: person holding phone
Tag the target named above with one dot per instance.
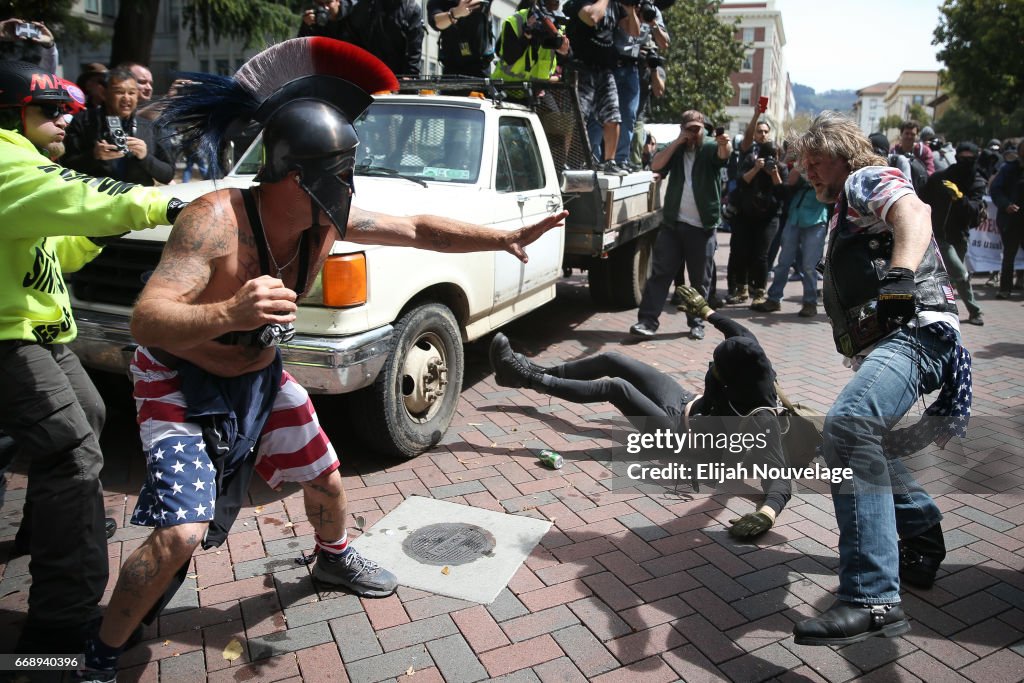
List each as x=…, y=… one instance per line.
x=26, y=39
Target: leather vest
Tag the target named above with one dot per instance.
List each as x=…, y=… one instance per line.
x=855, y=264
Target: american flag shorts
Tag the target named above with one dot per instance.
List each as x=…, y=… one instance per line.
x=181, y=481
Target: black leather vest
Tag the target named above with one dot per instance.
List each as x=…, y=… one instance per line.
x=855, y=264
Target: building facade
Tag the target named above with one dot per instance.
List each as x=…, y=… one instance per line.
x=763, y=72
x=912, y=87
x=869, y=108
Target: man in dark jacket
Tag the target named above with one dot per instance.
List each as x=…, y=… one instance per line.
x=956, y=196
x=110, y=140
x=466, y=44
x=1008, y=196
x=391, y=30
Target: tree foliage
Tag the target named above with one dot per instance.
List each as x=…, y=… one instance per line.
x=703, y=53
x=255, y=22
x=983, y=52
x=918, y=113
x=959, y=122
x=888, y=122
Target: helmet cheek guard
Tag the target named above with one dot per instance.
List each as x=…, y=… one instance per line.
x=308, y=129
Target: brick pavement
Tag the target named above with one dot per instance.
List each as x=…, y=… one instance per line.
x=627, y=583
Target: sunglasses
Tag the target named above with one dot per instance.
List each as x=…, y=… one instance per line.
x=51, y=111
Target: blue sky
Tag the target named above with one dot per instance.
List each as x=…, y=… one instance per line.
x=849, y=44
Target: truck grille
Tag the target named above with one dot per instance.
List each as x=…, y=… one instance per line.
x=118, y=274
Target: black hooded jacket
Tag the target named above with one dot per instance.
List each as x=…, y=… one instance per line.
x=953, y=218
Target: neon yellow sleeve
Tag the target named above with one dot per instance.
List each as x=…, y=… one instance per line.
x=74, y=252
x=40, y=198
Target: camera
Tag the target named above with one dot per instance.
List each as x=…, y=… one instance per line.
x=27, y=31
x=321, y=15
x=654, y=60
x=547, y=24
x=770, y=164
x=116, y=135
x=647, y=10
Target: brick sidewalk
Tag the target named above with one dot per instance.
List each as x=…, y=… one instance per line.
x=626, y=584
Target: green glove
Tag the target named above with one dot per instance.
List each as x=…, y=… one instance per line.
x=693, y=303
x=750, y=525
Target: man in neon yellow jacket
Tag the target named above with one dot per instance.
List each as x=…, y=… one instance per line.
x=529, y=40
x=48, y=404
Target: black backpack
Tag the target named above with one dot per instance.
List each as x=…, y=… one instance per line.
x=912, y=167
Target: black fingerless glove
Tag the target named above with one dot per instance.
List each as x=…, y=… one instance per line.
x=174, y=207
x=897, y=297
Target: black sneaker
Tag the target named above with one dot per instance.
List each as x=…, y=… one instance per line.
x=697, y=332
x=512, y=369
x=642, y=329
x=845, y=623
x=611, y=168
x=363, y=577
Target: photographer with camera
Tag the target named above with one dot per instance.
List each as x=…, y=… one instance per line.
x=529, y=42
x=627, y=70
x=325, y=18
x=759, y=196
x=466, y=43
x=30, y=41
x=652, y=86
x=111, y=140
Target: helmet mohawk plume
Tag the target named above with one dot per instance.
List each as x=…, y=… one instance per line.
x=333, y=71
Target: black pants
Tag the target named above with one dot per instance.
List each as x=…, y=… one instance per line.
x=748, y=250
x=53, y=412
x=683, y=243
x=1013, y=236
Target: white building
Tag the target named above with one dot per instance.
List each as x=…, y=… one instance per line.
x=764, y=66
x=870, y=106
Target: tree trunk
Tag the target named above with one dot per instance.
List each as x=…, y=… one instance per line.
x=133, y=31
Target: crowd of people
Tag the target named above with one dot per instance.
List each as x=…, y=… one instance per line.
x=212, y=313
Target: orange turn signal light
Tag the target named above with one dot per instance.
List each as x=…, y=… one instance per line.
x=344, y=280
x=428, y=92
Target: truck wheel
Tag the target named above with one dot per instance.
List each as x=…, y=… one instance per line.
x=599, y=282
x=631, y=265
x=410, y=405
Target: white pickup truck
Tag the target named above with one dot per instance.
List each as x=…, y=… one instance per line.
x=389, y=322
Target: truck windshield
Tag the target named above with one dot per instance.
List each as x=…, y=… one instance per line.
x=431, y=142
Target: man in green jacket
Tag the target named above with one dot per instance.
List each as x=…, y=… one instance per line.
x=693, y=203
x=49, y=406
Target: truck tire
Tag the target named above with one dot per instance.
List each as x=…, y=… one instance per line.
x=618, y=281
x=410, y=405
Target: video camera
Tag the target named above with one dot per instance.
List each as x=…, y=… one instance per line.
x=654, y=59
x=116, y=135
x=547, y=25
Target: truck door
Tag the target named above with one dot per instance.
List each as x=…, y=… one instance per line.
x=523, y=190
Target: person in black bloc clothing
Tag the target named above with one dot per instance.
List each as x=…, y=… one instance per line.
x=466, y=43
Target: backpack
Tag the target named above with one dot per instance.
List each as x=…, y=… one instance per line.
x=912, y=168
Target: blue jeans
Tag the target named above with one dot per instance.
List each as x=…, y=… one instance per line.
x=627, y=81
x=810, y=242
x=882, y=502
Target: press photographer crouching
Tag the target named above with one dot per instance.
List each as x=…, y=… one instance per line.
x=530, y=39
x=111, y=141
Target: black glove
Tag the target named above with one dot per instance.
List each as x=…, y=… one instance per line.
x=897, y=297
x=174, y=207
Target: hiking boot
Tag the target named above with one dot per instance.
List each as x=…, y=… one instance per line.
x=737, y=296
x=363, y=577
x=808, y=311
x=766, y=306
x=757, y=297
x=511, y=369
x=846, y=622
x=976, y=319
x=920, y=557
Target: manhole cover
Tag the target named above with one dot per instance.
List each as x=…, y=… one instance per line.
x=448, y=544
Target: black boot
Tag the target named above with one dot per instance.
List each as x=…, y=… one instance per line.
x=512, y=369
x=846, y=622
x=920, y=557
